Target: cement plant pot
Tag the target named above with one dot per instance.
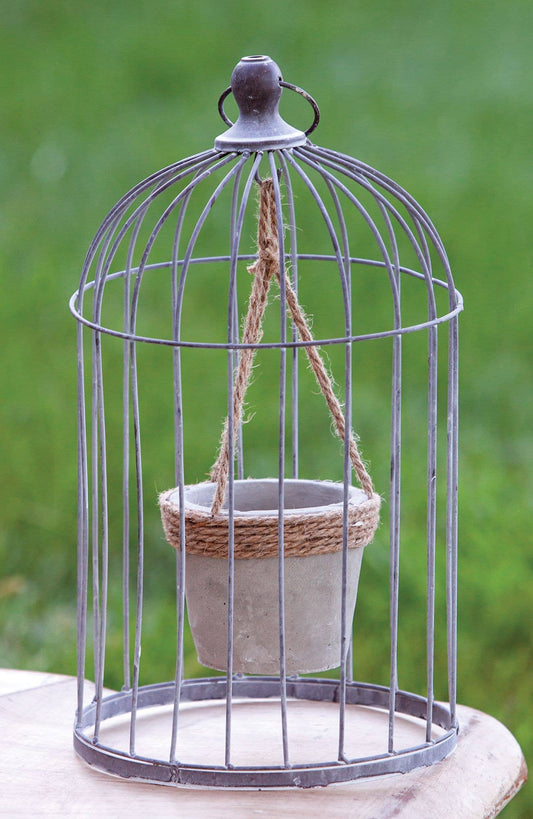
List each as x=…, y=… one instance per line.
x=312, y=568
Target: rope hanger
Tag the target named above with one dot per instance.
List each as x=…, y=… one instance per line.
x=265, y=268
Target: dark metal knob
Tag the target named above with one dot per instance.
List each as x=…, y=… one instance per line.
x=256, y=84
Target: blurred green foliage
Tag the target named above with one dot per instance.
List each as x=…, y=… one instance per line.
x=99, y=94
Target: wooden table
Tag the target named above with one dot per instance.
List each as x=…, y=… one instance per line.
x=42, y=776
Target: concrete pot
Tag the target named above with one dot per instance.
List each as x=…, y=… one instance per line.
x=313, y=582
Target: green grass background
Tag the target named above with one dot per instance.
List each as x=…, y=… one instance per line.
x=97, y=95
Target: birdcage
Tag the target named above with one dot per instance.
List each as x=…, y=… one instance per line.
x=277, y=308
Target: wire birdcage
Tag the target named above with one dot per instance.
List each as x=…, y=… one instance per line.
x=266, y=567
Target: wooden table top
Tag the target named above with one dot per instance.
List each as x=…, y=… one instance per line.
x=42, y=776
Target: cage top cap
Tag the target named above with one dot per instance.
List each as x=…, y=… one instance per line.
x=257, y=85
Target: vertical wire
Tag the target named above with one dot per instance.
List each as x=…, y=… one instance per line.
x=95, y=512
x=294, y=352
x=346, y=653
x=345, y=641
x=451, y=515
x=232, y=333
x=181, y=552
x=395, y=497
x=83, y=523
x=395, y=551
x=394, y=525
x=126, y=489
x=126, y=442
x=281, y=462
x=183, y=197
x=431, y=519
x=235, y=320
x=140, y=546
x=126, y=460
x=102, y=474
x=231, y=547
x=431, y=480
x=98, y=481
x=179, y=476
x=395, y=483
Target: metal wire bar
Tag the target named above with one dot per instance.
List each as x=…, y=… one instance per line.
x=126, y=459
x=100, y=474
x=95, y=512
x=394, y=527
x=140, y=546
x=179, y=478
x=236, y=354
x=181, y=563
x=431, y=521
x=294, y=282
x=231, y=559
x=233, y=331
x=451, y=513
x=83, y=526
x=347, y=471
x=126, y=498
x=281, y=463
x=345, y=660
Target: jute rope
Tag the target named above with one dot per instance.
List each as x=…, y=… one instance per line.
x=265, y=267
x=305, y=531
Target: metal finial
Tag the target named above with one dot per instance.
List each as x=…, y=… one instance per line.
x=257, y=84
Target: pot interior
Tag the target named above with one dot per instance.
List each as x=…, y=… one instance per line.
x=262, y=495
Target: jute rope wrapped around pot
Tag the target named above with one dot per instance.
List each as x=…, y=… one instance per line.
x=207, y=529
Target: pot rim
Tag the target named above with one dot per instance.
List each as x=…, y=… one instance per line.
x=356, y=497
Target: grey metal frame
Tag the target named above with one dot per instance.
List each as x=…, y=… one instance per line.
x=343, y=176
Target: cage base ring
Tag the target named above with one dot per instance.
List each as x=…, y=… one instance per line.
x=310, y=774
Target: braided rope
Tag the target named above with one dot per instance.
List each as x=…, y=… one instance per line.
x=266, y=266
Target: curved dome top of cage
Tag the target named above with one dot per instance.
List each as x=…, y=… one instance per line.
x=344, y=226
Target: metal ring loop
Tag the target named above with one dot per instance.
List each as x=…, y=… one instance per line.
x=221, y=111
x=283, y=84
x=309, y=99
